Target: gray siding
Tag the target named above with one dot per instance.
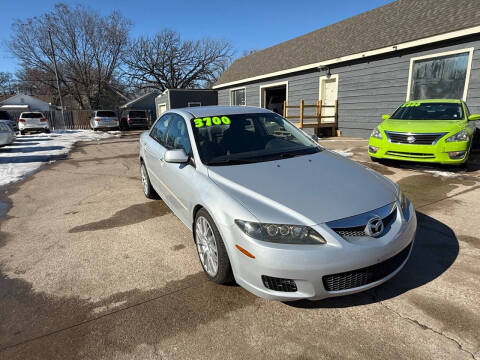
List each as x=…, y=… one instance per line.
x=367, y=89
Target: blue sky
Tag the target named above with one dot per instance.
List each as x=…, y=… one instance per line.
x=248, y=24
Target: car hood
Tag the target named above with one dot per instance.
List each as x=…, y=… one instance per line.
x=423, y=126
x=306, y=190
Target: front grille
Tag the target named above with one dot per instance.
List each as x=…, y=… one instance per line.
x=420, y=139
x=360, y=230
x=366, y=275
x=410, y=155
x=278, y=284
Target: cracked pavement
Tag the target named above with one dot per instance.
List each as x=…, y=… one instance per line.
x=90, y=269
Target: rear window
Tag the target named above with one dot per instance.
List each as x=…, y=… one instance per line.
x=429, y=111
x=32, y=115
x=137, y=114
x=4, y=115
x=104, y=113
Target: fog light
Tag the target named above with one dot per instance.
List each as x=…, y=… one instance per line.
x=456, y=154
x=372, y=149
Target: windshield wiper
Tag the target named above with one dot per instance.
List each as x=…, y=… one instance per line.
x=230, y=162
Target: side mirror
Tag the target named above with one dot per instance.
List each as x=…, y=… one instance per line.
x=474, y=117
x=385, y=116
x=177, y=156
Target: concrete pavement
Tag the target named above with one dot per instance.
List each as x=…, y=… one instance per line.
x=90, y=269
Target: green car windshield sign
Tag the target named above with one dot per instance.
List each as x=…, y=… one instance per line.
x=211, y=121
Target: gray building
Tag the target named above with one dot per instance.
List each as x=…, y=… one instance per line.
x=370, y=63
x=180, y=98
x=144, y=102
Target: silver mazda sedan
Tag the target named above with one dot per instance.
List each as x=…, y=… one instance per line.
x=270, y=208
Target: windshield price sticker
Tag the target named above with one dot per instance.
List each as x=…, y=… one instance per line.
x=412, y=104
x=210, y=121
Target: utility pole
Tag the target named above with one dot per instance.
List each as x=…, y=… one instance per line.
x=56, y=75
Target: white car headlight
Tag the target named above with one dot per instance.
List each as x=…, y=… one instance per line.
x=376, y=134
x=280, y=233
x=404, y=204
x=460, y=136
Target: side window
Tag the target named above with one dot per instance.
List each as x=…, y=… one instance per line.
x=177, y=136
x=159, y=130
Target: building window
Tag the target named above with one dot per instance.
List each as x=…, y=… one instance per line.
x=237, y=97
x=440, y=76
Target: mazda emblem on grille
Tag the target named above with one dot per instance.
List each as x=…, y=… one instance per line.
x=411, y=139
x=374, y=227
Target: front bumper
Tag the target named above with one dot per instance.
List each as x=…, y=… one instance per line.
x=307, y=265
x=438, y=153
x=6, y=139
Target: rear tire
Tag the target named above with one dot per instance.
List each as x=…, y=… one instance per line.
x=22, y=132
x=211, y=249
x=148, y=189
x=46, y=131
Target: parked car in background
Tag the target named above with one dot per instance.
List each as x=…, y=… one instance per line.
x=271, y=208
x=7, y=135
x=104, y=119
x=33, y=122
x=134, y=119
x=438, y=131
x=5, y=117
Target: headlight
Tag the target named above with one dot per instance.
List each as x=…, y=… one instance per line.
x=404, y=204
x=376, y=134
x=281, y=234
x=460, y=136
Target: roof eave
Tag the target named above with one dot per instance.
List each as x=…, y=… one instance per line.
x=380, y=51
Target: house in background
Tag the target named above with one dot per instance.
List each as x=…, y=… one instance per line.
x=144, y=102
x=22, y=102
x=180, y=98
x=370, y=63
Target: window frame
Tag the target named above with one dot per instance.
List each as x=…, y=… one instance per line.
x=244, y=88
x=174, y=116
x=166, y=130
x=436, y=55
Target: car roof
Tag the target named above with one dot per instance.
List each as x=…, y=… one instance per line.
x=202, y=111
x=452, y=101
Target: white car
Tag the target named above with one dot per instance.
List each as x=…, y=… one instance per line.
x=32, y=121
x=268, y=206
x=7, y=135
x=104, y=119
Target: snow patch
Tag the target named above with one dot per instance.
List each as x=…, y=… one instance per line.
x=29, y=152
x=445, y=174
x=346, y=153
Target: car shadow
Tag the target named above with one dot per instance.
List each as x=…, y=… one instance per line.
x=435, y=250
x=34, y=149
x=31, y=159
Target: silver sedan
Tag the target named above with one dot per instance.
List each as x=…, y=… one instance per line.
x=7, y=134
x=270, y=208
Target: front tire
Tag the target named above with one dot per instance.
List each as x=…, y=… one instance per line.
x=148, y=189
x=22, y=132
x=211, y=249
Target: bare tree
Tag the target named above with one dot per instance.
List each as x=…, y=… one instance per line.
x=165, y=61
x=7, y=83
x=87, y=47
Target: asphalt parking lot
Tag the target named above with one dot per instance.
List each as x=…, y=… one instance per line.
x=91, y=269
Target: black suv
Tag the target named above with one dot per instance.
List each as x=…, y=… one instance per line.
x=134, y=119
x=6, y=118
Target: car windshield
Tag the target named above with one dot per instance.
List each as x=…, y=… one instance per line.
x=137, y=114
x=106, y=114
x=429, y=111
x=247, y=138
x=32, y=115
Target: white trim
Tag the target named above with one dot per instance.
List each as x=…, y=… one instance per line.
x=384, y=50
x=160, y=104
x=238, y=88
x=280, y=83
x=445, y=53
x=320, y=87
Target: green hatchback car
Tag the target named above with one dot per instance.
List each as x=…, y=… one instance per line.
x=439, y=131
